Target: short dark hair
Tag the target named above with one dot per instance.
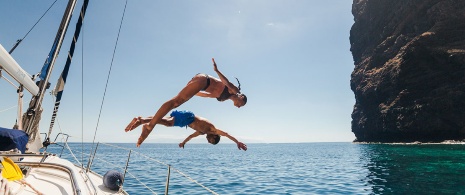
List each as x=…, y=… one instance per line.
x=216, y=137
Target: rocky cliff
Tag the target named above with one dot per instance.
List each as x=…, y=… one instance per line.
x=409, y=75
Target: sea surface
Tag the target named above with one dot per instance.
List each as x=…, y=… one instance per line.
x=297, y=168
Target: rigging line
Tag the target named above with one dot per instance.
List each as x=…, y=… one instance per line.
x=150, y=158
x=59, y=127
x=47, y=136
x=155, y=160
x=8, y=108
x=142, y=183
x=59, y=89
x=82, y=95
x=109, y=72
x=71, y=153
x=1, y=76
x=19, y=40
x=177, y=170
x=195, y=181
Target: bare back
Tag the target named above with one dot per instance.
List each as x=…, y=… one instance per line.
x=203, y=126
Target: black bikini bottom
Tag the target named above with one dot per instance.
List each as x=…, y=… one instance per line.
x=208, y=82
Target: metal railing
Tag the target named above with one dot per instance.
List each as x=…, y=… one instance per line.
x=64, y=168
x=93, y=157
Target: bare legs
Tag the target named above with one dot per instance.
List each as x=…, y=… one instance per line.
x=166, y=121
x=193, y=87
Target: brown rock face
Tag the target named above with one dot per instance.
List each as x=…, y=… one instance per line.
x=409, y=75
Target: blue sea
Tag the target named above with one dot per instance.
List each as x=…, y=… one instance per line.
x=296, y=168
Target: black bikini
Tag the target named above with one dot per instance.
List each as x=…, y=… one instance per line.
x=224, y=95
x=208, y=82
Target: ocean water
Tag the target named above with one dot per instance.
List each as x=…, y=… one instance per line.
x=298, y=168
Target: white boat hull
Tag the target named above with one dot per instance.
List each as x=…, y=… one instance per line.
x=57, y=176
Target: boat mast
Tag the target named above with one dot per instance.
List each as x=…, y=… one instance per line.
x=30, y=121
x=58, y=91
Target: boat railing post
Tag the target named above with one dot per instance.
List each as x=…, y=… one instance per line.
x=91, y=160
x=45, y=155
x=63, y=147
x=168, y=180
x=126, y=168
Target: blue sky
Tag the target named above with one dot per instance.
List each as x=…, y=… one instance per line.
x=292, y=58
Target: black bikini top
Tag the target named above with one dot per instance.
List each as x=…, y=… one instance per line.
x=224, y=95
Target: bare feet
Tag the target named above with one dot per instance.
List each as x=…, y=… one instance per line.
x=133, y=124
x=145, y=133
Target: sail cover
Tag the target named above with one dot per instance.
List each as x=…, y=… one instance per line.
x=13, y=138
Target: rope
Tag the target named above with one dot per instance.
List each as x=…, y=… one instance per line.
x=109, y=73
x=112, y=164
x=133, y=176
x=22, y=181
x=19, y=40
x=119, y=147
x=95, y=157
x=1, y=76
x=8, y=108
x=82, y=96
x=183, y=174
x=186, y=176
x=58, y=122
x=149, y=158
x=72, y=154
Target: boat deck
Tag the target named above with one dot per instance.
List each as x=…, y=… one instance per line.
x=57, y=176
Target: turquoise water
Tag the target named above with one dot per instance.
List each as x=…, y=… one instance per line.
x=306, y=168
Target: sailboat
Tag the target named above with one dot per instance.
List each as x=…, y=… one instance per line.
x=28, y=170
x=26, y=166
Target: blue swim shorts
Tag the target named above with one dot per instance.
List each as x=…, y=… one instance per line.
x=182, y=118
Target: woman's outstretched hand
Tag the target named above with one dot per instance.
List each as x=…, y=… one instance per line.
x=215, y=68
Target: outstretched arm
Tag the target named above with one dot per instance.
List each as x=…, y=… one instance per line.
x=240, y=145
x=195, y=134
x=224, y=80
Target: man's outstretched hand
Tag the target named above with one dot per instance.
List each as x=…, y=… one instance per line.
x=181, y=145
x=242, y=146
